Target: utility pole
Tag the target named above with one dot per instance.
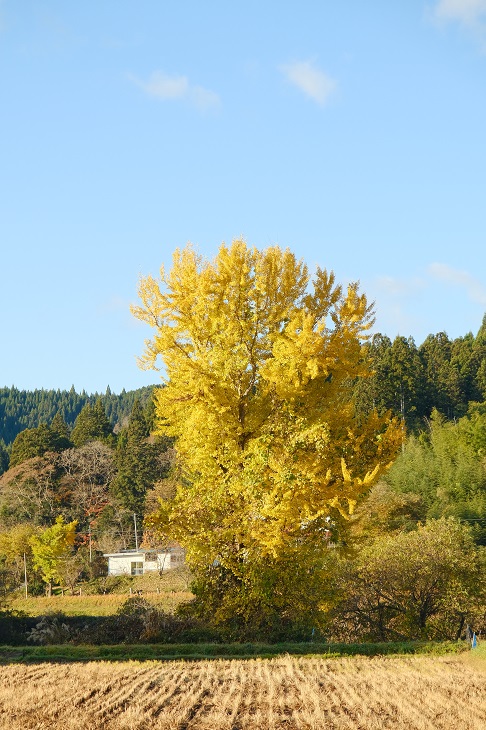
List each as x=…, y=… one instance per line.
x=136, y=535
x=402, y=409
x=25, y=574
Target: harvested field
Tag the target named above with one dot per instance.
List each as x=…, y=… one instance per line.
x=285, y=693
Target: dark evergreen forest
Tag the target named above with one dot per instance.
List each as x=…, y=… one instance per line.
x=441, y=374
x=21, y=409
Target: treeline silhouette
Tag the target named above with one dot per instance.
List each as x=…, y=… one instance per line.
x=412, y=381
x=21, y=409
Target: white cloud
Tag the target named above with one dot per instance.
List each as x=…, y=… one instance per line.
x=204, y=99
x=470, y=14
x=313, y=82
x=429, y=300
x=466, y=12
x=474, y=289
x=165, y=87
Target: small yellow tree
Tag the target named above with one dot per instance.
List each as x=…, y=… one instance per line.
x=51, y=547
x=259, y=372
x=16, y=551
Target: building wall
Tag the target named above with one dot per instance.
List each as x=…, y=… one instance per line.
x=139, y=563
x=122, y=564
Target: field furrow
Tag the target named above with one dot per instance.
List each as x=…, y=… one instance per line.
x=285, y=693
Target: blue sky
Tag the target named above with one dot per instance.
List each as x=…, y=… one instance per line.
x=352, y=132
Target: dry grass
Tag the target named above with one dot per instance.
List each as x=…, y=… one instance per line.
x=422, y=693
x=95, y=605
x=166, y=591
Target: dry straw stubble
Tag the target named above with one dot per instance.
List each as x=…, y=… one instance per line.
x=351, y=693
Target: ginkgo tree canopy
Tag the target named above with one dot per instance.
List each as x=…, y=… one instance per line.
x=259, y=363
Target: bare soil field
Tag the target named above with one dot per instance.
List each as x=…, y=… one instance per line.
x=358, y=693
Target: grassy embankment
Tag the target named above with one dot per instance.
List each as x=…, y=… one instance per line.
x=166, y=592
x=146, y=652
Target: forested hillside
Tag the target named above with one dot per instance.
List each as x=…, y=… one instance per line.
x=86, y=478
x=20, y=409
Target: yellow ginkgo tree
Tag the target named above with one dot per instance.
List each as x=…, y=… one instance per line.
x=258, y=365
x=51, y=547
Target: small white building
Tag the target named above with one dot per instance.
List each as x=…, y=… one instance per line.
x=138, y=562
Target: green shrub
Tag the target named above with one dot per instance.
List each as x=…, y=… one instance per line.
x=138, y=621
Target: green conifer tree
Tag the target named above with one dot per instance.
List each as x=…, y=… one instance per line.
x=136, y=462
x=60, y=433
x=31, y=442
x=4, y=457
x=92, y=425
x=480, y=359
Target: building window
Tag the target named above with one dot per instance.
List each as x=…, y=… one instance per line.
x=151, y=557
x=177, y=558
x=136, y=568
